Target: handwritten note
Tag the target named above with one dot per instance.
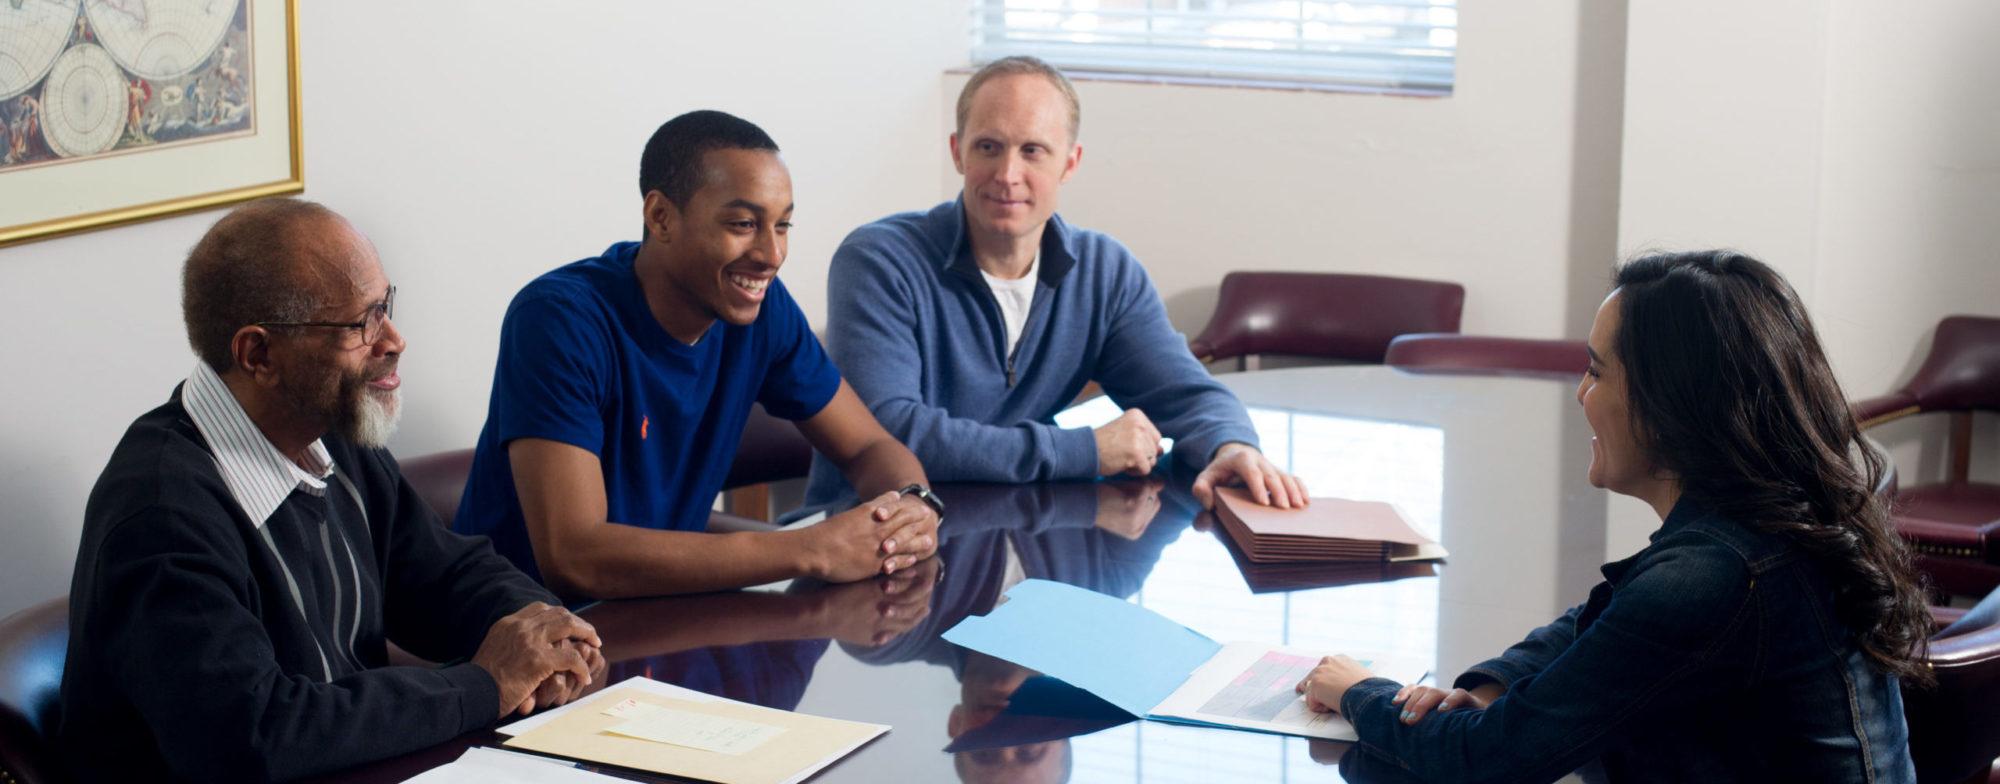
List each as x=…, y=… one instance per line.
x=687, y=729
x=629, y=708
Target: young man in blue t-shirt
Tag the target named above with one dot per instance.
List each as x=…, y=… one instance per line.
x=624, y=381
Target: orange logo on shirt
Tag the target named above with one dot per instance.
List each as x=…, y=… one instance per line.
x=642, y=428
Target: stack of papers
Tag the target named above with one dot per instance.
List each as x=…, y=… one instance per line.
x=481, y=765
x=1285, y=576
x=1330, y=529
x=650, y=726
x=1153, y=668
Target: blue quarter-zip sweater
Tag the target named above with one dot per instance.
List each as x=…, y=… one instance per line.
x=919, y=335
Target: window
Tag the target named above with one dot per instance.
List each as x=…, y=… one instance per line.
x=1401, y=46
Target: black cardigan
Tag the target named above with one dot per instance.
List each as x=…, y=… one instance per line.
x=190, y=659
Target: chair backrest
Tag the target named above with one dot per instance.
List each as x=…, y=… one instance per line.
x=1329, y=315
x=33, y=645
x=440, y=479
x=1488, y=355
x=1955, y=728
x=1961, y=375
x=1962, y=372
x=772, y=449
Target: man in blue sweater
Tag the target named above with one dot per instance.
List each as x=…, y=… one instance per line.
x=966, y=328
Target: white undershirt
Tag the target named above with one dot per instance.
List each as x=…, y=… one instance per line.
x=1014, y=296
x=1016, y=571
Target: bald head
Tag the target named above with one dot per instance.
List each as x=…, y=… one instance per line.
x=1021, y=65
x=269, y=260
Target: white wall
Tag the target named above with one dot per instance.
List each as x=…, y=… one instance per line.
x=1723, y=130
x=1848, y=143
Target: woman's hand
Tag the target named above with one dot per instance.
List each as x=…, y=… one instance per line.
x=1420, y=700
x=1328, y=682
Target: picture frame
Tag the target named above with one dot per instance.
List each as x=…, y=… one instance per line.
x=144, y=110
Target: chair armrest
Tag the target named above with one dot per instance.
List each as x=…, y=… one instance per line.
x=1966, y=650
x=1200, y=347
x=1887, y=408
x=1951, y=540
x=1942, y=617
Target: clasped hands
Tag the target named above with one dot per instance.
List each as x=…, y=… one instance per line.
x=1328, y=683
x=883, y=535
x=1127, y=507
x=872, y=612
x=540, y=656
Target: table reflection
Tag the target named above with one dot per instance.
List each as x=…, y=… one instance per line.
x=1104, y=536
x=1149, y=542
x=1503, y=492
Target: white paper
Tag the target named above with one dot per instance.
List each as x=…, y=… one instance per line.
x=481, y=765
x=647, y=685
x=1428, y=551
x=687, y=729
x=1254, y=686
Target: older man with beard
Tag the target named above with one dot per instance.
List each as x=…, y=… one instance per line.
x=251, y=548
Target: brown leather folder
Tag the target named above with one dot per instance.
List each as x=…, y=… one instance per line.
x=1306, y=575
x=1330, y=529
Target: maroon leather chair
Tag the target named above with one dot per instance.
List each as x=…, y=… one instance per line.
x=1488, y=355
x=440, y=479
x=1954, y=526
x=33, y=645
x=772, y=449
x=1955, y=728
x=1327, y=315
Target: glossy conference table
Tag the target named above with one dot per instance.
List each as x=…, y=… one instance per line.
x=1493, y=466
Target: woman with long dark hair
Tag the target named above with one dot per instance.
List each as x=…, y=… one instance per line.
x=1763, y=632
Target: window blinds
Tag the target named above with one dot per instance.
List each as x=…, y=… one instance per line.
x=1404, y=46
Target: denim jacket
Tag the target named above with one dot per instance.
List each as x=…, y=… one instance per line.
x=1712, y=655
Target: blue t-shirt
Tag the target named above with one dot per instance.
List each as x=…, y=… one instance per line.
x=583, y=362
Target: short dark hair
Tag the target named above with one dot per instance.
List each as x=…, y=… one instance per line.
x=671, y=163
x=1729, y=389
x=249, y=268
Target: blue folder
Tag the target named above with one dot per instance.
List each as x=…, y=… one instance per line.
x=1132, y=657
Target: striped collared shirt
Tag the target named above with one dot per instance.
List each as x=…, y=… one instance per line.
x=256, y=473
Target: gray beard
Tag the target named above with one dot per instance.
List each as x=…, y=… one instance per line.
x=372, y=419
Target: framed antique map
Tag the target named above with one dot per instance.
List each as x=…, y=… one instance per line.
x=114, y=111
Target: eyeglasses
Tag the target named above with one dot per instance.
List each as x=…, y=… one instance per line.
x=370, y=326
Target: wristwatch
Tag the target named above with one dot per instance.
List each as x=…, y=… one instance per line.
x=924, y=494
